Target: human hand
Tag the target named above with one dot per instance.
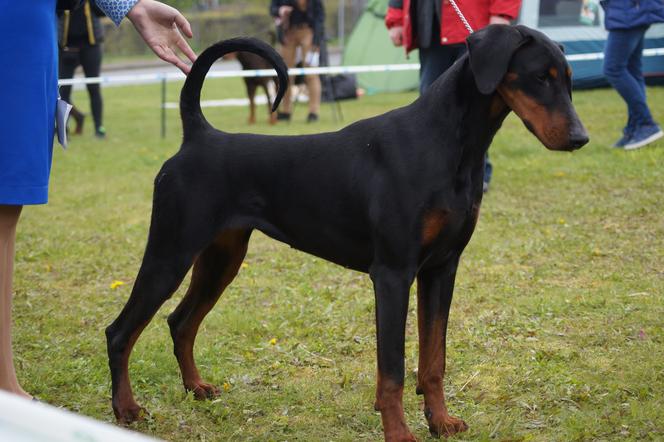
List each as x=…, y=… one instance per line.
x=284, y=11
x=162, y=26
x=396, y=35
x=499, y=20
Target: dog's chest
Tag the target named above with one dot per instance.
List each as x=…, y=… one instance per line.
x=445, y=229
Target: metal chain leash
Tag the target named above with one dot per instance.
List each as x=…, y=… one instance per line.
x=461, y=16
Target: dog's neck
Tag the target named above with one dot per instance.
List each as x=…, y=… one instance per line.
x=466, y=122
x=456, y=99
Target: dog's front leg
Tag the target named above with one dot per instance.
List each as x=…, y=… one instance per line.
x=434, y=296
x=391, y=290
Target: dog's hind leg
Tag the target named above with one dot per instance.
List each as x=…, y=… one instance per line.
x=173, y=242
x=160, y=275
x=251, y=93
x=434, y=297
x=213, y=270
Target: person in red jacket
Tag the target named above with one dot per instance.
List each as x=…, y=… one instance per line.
x=433, y=27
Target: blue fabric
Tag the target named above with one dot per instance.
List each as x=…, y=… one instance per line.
x=29, y=81
x=629, y=14
x=622, y=67
x=116, y=9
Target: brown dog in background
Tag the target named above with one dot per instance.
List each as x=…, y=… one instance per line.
x=251, y=61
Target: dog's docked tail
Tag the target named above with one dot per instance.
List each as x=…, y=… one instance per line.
x=190, y=96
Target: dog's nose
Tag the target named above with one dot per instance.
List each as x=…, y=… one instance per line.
x=578, y=141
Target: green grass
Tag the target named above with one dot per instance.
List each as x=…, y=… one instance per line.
x=556, y=329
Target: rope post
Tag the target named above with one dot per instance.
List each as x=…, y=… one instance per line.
x=163, y=106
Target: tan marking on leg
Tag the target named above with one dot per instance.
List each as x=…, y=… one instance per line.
x=124, y=405
x=431, y=372
x=234, y=244
x=389, y=402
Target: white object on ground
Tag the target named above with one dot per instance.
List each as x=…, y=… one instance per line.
x=23, y=420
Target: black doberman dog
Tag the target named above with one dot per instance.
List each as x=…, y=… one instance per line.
x=396, y=196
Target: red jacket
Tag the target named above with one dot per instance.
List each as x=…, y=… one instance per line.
x=452, y=30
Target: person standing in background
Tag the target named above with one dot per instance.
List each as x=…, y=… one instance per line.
x=627, y=23
x=433, y=27
x=301, y=24
x=80, y=37
x=26, y=131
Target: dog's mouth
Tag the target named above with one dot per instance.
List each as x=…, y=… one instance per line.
x=557, y=128
x=568, y=136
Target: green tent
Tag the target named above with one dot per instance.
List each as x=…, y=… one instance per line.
x=369, y=43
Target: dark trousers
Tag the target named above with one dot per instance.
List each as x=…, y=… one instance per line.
x=622, y=67
x=89, y=57
x=435, y=60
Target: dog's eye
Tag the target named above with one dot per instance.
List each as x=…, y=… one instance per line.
x=543, y=78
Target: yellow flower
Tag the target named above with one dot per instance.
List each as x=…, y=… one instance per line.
x=116, y=284
x=244, y=265
x=273, y=341
x=227, y=386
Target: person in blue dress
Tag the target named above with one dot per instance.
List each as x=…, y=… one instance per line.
x=627, y=22
x=29, y=78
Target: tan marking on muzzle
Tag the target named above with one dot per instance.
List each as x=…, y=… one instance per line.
x=551, y=128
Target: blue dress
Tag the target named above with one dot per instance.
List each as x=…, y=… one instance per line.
x=28, y=77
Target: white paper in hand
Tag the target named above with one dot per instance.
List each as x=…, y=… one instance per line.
x=312, y=59
x=61, y=116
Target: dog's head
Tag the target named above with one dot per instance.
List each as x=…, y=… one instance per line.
x=530, y=73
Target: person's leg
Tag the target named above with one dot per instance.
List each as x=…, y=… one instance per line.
x=66, y=67
x=434, y=61
x=623, y=49
x=91, y=62
x=305, y=40
x=288, y=50
x=9, y=216
x=69, y=60
x=634, y=64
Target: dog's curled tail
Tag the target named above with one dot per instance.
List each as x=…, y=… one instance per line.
x=190, y=96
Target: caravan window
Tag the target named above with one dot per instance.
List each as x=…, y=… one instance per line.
x=568, y=13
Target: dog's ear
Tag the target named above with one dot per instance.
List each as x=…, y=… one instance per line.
x=490, y=51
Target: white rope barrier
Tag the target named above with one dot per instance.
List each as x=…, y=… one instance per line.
x=175, y=76
x=178, y=76
x=652, y=52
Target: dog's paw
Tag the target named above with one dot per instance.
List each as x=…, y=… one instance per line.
x=126, y=415
x=403, y=436
x=445, y=425
x=202, y=390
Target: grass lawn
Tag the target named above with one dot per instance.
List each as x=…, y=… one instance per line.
x=556, y=330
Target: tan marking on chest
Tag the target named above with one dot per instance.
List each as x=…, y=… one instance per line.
x=432, y=224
